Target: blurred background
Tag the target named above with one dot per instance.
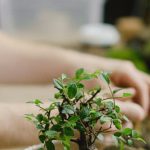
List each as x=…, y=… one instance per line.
x=102, y=27
x=111, y=28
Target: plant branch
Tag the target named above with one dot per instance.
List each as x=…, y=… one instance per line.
x=112, y=95
x=89, y=100
x=75, y=140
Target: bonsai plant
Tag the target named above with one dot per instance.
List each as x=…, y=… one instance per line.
x=83, y=111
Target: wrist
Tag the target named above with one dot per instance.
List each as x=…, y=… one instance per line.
x=91, y=62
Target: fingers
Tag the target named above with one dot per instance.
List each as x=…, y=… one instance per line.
x=131, y=78
x=142, y=96
x=108, y=140
x=133, y=111
x=119, y=94
x=145, y=76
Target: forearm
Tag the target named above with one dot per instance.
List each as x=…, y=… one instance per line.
x=92, y=62
x=15, y=130
x=30, y=62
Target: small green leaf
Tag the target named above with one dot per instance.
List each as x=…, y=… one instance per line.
x=73, y=119
x=29, y=116
x=86, y=77
x=96, y=74
x=80, y=127
x=142, y=140
x=127, y=131
x=117, y=108
x=126, y=95
x=105, y=119
x=39, y=126
x=109, y=104
x=49, y=145
x=51, y=134
x=135, y=134
x=37, y=102
x=39, y=117
x=84, y=112
x=117, y=123
x=68, y=131
x=68, y=109
x=58, y=95
x=56, y=127
x=58, y=84
x=42, y=138
x=105, y=77
x=63, y=76
x=51, y=107
x=79, y=72
x=118, y=134
x=80, y=85
x=66, y=142
x=57, y=119
x=72, y=90
x=129, y=142
x=45, y=119
x=79, y=95
x=98, y=101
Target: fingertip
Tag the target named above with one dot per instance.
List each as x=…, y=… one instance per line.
x=139, y=113
x=121, y=93
x=133, y=111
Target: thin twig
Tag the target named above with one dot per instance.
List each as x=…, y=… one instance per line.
x=112, y=96
x=93, y=96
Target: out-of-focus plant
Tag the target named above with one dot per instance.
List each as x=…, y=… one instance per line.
x=127, y=53
x=147, y=49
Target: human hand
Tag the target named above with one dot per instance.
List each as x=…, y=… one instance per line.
x=128, y=107
x=123, y=74
x=127, y=75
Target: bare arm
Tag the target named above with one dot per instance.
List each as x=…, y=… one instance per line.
x=31, y=63
x=22, y=62
x=15, y=130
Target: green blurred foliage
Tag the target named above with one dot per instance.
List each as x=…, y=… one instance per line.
x=147, y=49
x=127, y=53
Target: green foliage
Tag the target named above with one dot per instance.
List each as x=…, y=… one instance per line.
x=81, y=110
x=105, y=77
x=128, y=136
x=127, y=53
x=126, y=95
x=72, y=90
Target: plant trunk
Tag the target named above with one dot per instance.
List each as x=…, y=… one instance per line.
x=83, y=143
